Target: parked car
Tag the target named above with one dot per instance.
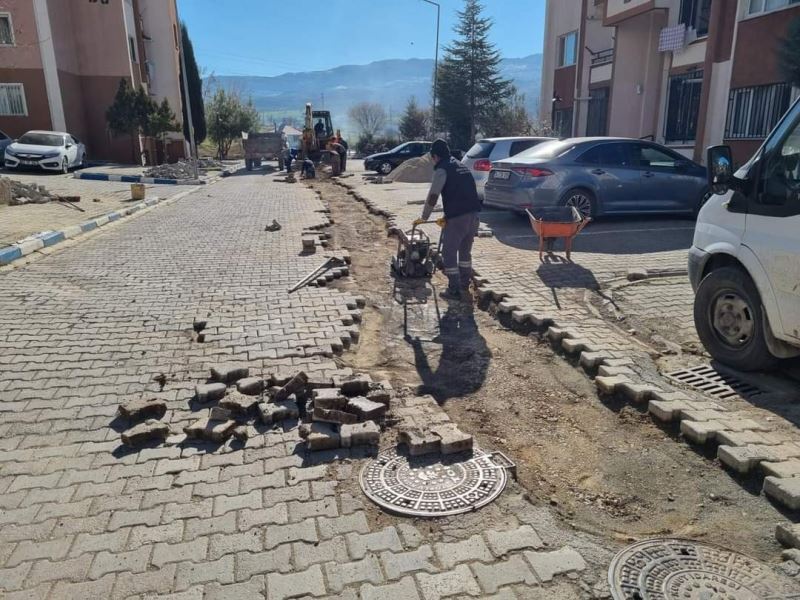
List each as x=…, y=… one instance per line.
x=744, y=263
x=598, y=176
x=385, y=162
x=48, y=150
x=5, y=141
x=480, y=157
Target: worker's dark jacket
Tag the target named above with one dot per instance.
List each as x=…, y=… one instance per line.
x=459, y=195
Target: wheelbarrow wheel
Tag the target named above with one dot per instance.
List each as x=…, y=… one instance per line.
x=583, y=200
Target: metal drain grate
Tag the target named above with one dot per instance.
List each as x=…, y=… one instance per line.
x=708, y=380
x=667, y=569
x=432, y=487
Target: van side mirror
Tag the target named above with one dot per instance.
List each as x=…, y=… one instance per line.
x=720, y=168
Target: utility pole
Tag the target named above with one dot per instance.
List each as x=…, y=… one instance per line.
x=435, y=65
x=193, y=146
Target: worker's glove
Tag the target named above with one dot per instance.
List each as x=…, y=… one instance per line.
x=441, y=222
x=419, y=221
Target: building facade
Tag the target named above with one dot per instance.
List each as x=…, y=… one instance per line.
x=685, y=73
x=61, y=64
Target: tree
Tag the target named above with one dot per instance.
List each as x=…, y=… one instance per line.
x=469, y=86
x=161, y=120
x=369, y=117
x=195, y=91
x=128, y=114
x=414, y=122
x=228, y=117
x=510, y=118
x=789, y=53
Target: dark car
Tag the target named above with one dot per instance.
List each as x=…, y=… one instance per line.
x=598, y=176
x=385, y=162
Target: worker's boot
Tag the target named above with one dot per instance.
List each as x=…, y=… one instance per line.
x=465, y=276
x=453, y=291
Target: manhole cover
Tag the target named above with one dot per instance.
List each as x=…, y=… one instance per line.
x=432, y=487
x=710, y=381
x=681, y=569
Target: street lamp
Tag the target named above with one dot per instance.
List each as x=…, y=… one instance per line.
x=435, y=63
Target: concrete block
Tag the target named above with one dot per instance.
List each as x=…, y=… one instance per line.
x=208, y=429
x=608, y=385
x=274, y=412
x=144, y=432
x=635, y=392
x=354, y=385
x=784, y=468
x=229, y=373
x=329, y=398
x=296, y=385
x=665, y=410
x=786, y=491
x=320, y=436
x=360, y=434
x=252, y=386
x=788, y=534
x=740, y=438
x=326, y=415
x=419, y=442
x=700, y=432
x=238, y=403
x=742, y=459
x=209, y=392
x=453, y=440
x=367, y=410
x=142, y=408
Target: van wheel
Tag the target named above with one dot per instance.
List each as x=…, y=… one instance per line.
x=730, y=320
x=581, y=199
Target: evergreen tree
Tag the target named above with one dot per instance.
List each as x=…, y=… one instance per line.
x=127, y=115
x=470, y=88
x=414, y=122
x=789, y=53
x=195, y=91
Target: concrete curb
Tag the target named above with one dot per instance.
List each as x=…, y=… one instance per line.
x=137, y=179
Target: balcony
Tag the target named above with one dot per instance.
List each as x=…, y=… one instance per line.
x=603, y=57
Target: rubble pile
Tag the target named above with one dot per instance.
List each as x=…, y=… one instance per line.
x=414, y=170
x=183, y=169
x=15, y=193
x=425, y=428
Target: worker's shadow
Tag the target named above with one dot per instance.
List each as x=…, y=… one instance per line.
x=463, y=356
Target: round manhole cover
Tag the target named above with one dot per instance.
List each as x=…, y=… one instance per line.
x=430, y=486
x=681, y=569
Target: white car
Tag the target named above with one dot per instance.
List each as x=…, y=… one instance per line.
x=480, y=157
x=48, y=150
x=744, y=263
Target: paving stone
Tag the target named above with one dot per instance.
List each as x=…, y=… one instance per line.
x=403, y=589
x=134, y=561
x=306, y=555
x=145, y=432
x=72, y=569
x=230, y=543
x=341, y=575
x=419, y=442
x=786, y=468
x=700, y=432
x=329, y=398
x=354, y=385
x=398, y=564
x=14, y=577
x=785, y=491
x=458, y=583
x=474, y=548
x=273, y=515
x=329, y=415
x=274, y=412
x=320, y=436
x=229, y=373
x=739, y=438
x=86, y=590
x=788, y=534
x=238, y=403
x=742, y=459
x=501, y=573
x=453, y=440
x=143, y=408
x=360, y=434
x=209, y=392
x=142, y=534
x=549, y=564
x=503, y=542
x=208, y=525
x=304, y=531
x=314, y=473
x=367, y=410
x=252, y=386
x=214, y=431
x=608, y=385
x=27, y=550
x=278, y=560
x=410, y=535
x=254, y=588
x=194, y=551
x=385, y=539
x=40, y=592
x=190, y=573
x=665, y=410
x=295, y=385
x=156, y=582
x=291, y=585
x=330, y=527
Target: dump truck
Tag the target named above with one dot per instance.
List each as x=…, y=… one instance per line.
x=262, y=146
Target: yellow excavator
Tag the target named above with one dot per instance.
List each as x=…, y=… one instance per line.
x=317, y=130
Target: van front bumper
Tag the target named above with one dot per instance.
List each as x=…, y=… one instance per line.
x=697, y=262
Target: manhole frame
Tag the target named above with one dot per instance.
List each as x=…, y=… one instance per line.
x=476, y=457
x=714, y=382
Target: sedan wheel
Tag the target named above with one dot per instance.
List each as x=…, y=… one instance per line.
x=64, y=165
x=385, y=168
x=581, y=200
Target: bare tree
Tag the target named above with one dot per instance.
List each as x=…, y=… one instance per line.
x=369, y=117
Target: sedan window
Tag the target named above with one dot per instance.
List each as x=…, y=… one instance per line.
x=650, y=156
x=42, y=139
x=610, y=155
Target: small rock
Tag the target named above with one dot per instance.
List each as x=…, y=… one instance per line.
x=209, y=429
x=274, y=226
x=360, y=434
x=141, y=408
x=208, y=392
x=419, y=442
x=453, y=440
x=229, y=373
x=252, y=386
x=295, y=385
x=330, y=415
x=367, y=410
x=143, y=432
x=274, y=412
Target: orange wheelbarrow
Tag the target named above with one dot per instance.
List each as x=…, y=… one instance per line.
x=556, y=222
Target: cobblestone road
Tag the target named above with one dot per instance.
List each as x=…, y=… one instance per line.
x=89, y=327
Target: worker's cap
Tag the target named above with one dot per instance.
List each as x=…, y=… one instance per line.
x=440, y=148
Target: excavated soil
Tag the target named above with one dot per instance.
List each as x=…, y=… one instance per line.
x=603, y=468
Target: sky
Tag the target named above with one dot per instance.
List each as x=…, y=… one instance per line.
x=268, y=37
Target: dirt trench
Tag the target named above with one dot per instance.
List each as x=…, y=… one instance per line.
x=604, y=468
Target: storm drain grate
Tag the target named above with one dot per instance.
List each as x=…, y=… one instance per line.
x=667, y=569
x=432, y=486
x=708, y=380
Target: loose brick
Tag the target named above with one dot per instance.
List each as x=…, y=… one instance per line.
x=252, y=386
x=209, y=392
x=549, y=564
x=229, y=373
x=142, y=408
x=360, y=434
x=786, y=491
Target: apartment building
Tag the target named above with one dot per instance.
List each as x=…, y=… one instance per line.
x=61, y=63
x=685, y=73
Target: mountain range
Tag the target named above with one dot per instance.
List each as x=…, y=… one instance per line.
x=388, y=82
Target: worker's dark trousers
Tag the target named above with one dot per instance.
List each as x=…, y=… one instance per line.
x=457, y=237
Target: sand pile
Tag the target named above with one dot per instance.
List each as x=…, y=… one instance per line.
x=414, y=170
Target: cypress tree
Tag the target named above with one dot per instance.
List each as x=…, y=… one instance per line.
x=195, y=91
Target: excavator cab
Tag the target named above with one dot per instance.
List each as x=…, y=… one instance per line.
x=323, y=127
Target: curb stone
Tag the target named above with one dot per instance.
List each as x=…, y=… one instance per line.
x=137, y=179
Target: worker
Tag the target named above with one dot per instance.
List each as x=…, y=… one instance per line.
x=335, y=146
x=307, y=169
x=461, y=203
x=342, y=141
x=319, y=128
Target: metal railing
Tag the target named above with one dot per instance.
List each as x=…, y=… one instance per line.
x=602, y=57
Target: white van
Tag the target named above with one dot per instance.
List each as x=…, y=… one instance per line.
x=744, y=264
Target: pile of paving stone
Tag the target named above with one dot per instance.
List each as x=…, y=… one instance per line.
x=183, y=169
x=15, y=193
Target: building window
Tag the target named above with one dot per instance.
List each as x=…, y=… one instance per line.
x=6, y=30
x=567, y=46
x=132, y=46
x=754, y=111
x=695, y=14
x=562, y=122
x=597, y=119
x=683, y=105
x=12, y=100
x=757, y=6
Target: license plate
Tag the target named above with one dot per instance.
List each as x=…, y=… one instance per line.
x=29, y=162
x=501, y=174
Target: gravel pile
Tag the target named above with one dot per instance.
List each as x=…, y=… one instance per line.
x=15, y=193
x=183, y=169
x=414, y=170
